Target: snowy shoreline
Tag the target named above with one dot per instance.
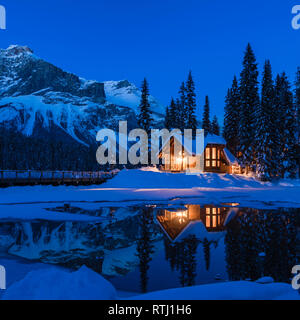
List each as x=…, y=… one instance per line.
x=43, y=282
x=147, y=186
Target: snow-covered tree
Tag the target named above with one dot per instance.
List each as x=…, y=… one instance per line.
x=232, y=117
x=206, y=117
x=215, y=127
x=249, y=97
x=288, y=128
x=191, y=122
x=182, y=115
x=297, y=105
x=266, y=128
x=170, y=112
x=145, y=117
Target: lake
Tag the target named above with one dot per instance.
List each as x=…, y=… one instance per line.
x=155, y=247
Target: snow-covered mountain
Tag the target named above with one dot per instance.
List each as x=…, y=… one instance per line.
x=36, y=96
x=124, y=93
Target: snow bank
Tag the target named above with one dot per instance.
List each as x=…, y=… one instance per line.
x=239, y=290
x=147, y=178
x=56, y=284
x=151, y=185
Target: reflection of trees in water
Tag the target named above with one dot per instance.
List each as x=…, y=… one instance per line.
x=145, y=244
x=206, y=248
x=182, y=257
x=253, y=232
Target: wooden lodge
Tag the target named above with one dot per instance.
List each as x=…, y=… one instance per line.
x=215, y=158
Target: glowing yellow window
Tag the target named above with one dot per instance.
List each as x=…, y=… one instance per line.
x=207, y=153
x=214, y=153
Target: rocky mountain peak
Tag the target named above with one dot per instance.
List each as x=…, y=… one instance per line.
x=16, y=50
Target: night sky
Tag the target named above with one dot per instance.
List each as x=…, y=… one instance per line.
x=158, y=39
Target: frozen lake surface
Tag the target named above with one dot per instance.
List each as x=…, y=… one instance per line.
x=145, y=248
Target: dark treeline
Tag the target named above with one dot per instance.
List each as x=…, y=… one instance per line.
x=47, y=152
x=261, y=123
x=262, y=244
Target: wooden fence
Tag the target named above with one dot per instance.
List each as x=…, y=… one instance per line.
x=29, y=178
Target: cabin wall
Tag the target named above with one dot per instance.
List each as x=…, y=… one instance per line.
x=213, y=160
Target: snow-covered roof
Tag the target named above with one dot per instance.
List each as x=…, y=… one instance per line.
x=230, y=157
x=213, y=139
x=190, y=145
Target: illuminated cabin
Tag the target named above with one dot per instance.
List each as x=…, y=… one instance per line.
x=215, y=158
x=175, y=221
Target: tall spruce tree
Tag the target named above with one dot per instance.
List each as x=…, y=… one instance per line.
x=182, y=107
x=206, y=125
x=215, y=127
x=168, y=122
x=145, y=117
x=173, y=111
x=297, y=105
x=232, y=118
x=266, y=127
x=289, y=122
x=190, y=121
x=279, y=122
x=249, y=98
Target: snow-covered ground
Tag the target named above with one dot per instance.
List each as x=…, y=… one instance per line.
x=238, y=290
x=150, y=185
x=52, y=283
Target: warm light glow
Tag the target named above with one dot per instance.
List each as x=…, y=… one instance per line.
x=179, y=160
x=181, y=216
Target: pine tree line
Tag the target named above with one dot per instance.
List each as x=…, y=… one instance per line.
x=181, y=113
x=261, y=127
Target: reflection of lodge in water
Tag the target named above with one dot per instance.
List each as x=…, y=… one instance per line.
x=175, y=221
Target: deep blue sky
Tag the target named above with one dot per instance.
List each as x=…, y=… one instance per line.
x=159, y=39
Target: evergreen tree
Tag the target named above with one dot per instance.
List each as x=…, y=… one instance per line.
x=249, y=98
x=168, y=123
x=206, y=117
x=266, y=127
x=191, y=122
x=279, y=123
x=289, y=120
x=297, y=106
x=215, y=128
x=145, y=117
x=173, y=112
x=182, y=107
x=232, y=118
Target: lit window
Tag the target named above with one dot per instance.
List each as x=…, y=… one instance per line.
x=214, y=163
x=207, y=221
x=214, y=153
x=214, y=221
x=207, y=153
x=208, y=163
